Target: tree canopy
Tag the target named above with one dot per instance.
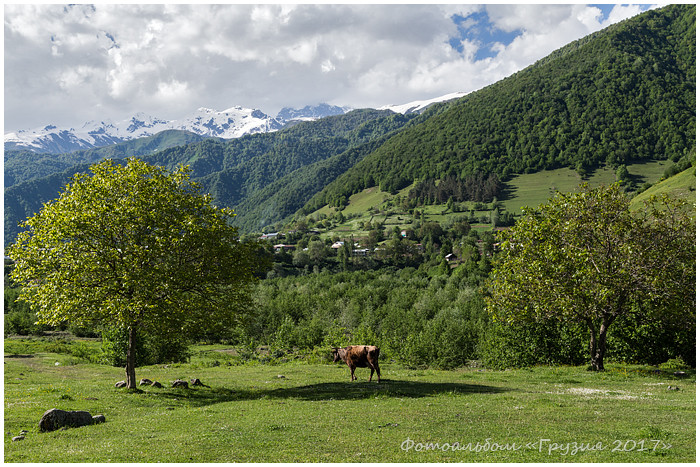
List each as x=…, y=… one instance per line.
x=585, y=257
x=134, y=247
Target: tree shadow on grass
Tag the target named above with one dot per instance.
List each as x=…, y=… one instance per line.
x=330, y=391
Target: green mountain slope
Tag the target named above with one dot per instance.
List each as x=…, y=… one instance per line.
x=624, y=94
x=681, y=185
x=21, y=166
x=288, y=194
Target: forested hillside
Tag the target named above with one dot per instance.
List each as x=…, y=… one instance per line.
x=232, y=170
x=21, y=166
x=624, y=94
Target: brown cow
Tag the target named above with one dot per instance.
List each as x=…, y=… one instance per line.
x=361, y=356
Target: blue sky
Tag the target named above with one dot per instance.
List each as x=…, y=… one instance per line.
x=477, y=27
x=68, y=64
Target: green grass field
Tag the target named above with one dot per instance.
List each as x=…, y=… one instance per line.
x=315, y=414
x=681, y=185
x=536, y=188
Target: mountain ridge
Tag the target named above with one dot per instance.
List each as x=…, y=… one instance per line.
x=230, y=123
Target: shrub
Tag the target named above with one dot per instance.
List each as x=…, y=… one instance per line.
x=674, y=364
x=19, y=318
x=530, y=344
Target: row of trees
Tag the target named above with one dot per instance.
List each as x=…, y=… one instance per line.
x=477, y=187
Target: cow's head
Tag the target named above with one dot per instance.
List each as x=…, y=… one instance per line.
x=338, y=354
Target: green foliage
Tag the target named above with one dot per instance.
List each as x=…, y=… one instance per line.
x=136, y=248
x=19, y=318
x=635, y=339
x=586, y=258
x=674, y=364
x=22, y=323
x=422, y=322
x=127, y=245
x=150, y=348
x=474, y=188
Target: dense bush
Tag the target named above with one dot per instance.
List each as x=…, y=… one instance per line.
x=529, y=344
x=634, y=340
x=630, y=340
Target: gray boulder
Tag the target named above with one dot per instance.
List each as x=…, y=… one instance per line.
x=197, y=382
x=178, y=383
x=54, y=419
x=145, y=381
x=120, y=384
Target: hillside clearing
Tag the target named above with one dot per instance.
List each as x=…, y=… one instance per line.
x=375, y=206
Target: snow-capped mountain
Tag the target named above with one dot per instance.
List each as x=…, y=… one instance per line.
x=420, y=106
x=309, y=112
x=230, y=123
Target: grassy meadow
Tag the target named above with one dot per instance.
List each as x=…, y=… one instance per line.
x=307, y=410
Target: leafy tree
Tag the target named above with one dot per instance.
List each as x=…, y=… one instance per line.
x=586, y=258
x=134, y=247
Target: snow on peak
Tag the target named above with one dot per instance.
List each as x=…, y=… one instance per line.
x=231, y=123
x=420, y=106
x=312, y=112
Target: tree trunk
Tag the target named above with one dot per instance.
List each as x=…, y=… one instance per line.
x=598, y=343
x=131, y=360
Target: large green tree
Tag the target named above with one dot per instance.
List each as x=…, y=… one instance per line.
x=585, y=257
x=135, y=247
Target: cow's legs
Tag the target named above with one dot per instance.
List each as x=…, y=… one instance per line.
x=352, y=374
x=372, y=370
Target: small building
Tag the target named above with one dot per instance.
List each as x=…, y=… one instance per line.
x=280, y=247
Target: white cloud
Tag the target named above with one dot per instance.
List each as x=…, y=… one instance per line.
x=69, y=64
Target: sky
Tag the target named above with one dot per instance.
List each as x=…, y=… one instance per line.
x=66, y=65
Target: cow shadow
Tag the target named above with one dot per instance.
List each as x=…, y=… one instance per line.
x=387, y=388
x=329, y=391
